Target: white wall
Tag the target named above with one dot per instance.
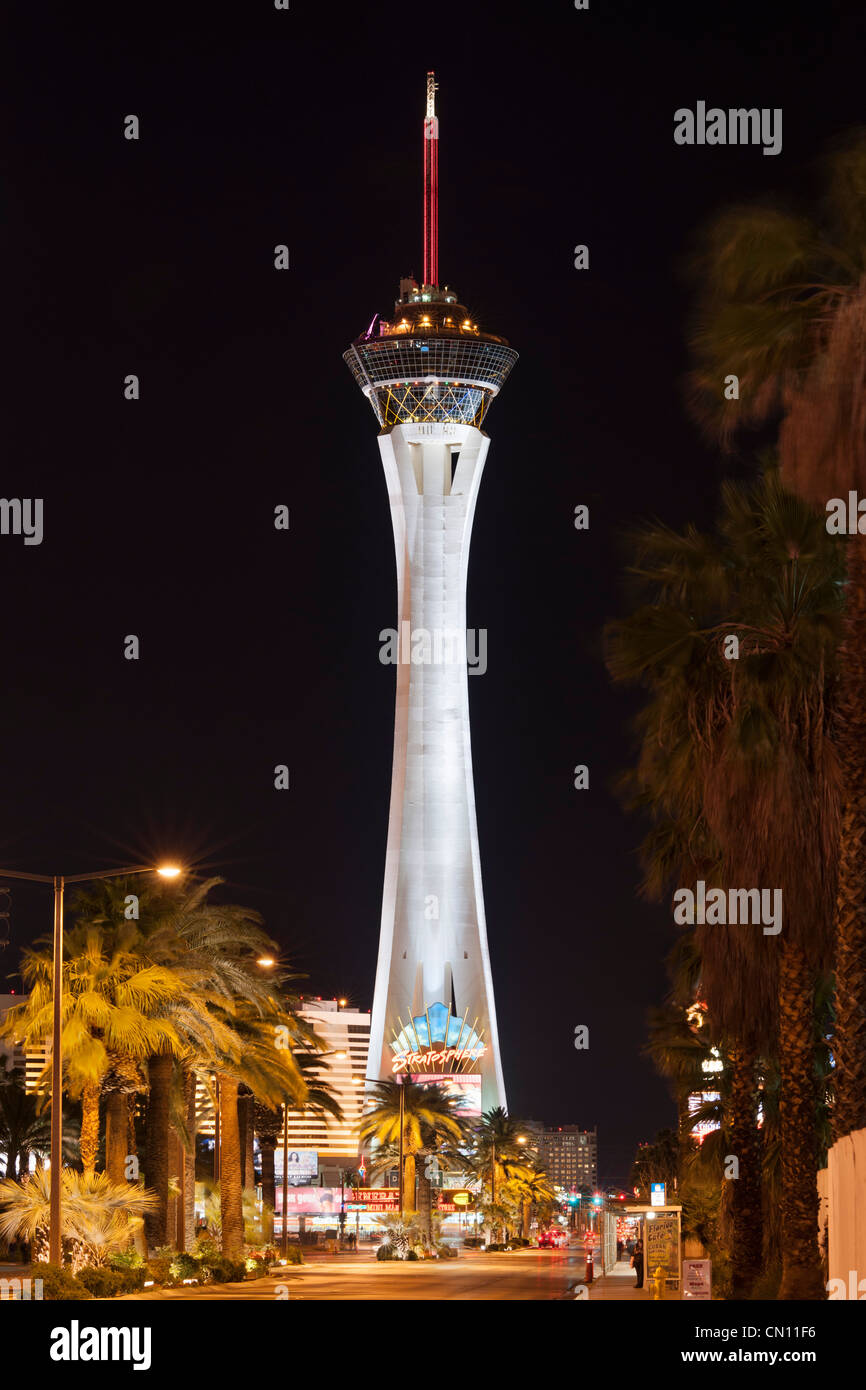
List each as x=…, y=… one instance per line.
x=846, y=1203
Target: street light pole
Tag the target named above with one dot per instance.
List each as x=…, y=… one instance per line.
x=402, y=1123
x=284, y=1230
x=59, y=882
x=54, y=1213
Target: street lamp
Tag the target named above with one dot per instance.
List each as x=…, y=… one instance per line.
x=59, y=882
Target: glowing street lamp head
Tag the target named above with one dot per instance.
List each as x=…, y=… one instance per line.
x=169, y=871
x=266, y=962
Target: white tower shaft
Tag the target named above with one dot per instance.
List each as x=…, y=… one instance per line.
x=433, y=942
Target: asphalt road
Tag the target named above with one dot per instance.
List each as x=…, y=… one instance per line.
x=522, y=1275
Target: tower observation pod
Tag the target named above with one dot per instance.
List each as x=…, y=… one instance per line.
x=430, y=375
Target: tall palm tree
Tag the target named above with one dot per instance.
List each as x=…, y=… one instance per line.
x=269, y=1127
x=212, y=949
x=781, y=304
x=766, y=777
x=536, y=1194
x=274, y=1075
x=208, y=950
x=679, y=1051
x=427, y=1110
x=114, y=1016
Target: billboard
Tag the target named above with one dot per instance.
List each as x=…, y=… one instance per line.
x=454, y=1199
x=375, y=1198
x=310, y=1201
x=325, y=1201
x=303, y=1164
x=466, y=1089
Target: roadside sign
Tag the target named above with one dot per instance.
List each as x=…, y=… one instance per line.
x=658, y=1192
x=697, y=1279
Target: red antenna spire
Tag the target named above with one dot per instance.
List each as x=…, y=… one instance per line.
x=431, y=186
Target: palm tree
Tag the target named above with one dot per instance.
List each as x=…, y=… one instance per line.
x=226, y=1000
x=782, y=304
x=114, y=1017
x=764, y=774
x=679, y=1049
x=269, y=1127
x=534, y=1191
x=23, y=1129
x=99, y=1216
x=210, y=951
x=275, y=1075
x=428, y=1111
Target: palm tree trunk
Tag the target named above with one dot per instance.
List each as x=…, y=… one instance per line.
x=116, y=1136
x=409, y=1183
x=746, y=1188
x=269, y=1186
x=189, y=1088
x=425, y=1206
x=247, y=1105
x=158, y=1130
x=231, y=1198
x=242, y=1138
x=849, y=1044
x=88, y=1142
x=801, y=1260
x=251, y=1150
x=131, y=1144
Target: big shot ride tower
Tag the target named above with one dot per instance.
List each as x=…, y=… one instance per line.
x=430, y=375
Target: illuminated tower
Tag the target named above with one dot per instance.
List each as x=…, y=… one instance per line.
x=430, y=375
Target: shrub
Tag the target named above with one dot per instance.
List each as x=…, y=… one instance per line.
x=58, y=1283
x=294, y=1255
x=158, y=1268
x=385, y=1251
x=185, y=1266
x=133, y=1279
x=127, y=1259
x=446, y=1252
x=104, y=1282
x=226, y=1271
x=412, y=1255
x=472, y=1242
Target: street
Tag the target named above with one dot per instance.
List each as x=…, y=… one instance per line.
x=521, y=1275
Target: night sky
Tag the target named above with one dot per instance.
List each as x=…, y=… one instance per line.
x=261, y=647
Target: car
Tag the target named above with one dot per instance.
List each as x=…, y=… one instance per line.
x=551, y=1240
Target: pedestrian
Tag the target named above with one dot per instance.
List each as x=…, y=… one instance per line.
x=637, y=1264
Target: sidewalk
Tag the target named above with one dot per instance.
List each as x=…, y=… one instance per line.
x=618, y=1284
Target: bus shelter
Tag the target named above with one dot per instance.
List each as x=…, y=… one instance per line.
x=661, y=1236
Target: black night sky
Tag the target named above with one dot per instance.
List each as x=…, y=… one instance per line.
x=260, y=647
